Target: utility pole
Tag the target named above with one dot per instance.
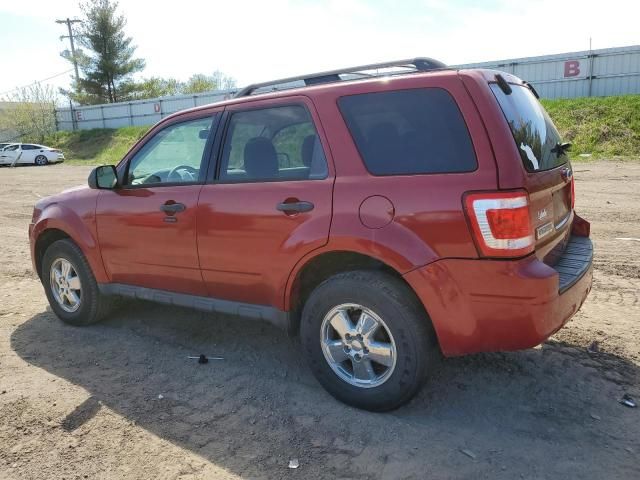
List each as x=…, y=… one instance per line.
x=74, y=59
x=69, y=22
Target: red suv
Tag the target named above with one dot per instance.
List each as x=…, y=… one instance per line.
x=385, y=213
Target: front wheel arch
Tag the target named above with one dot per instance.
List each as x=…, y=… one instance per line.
x=90, y=304
x=44, y=241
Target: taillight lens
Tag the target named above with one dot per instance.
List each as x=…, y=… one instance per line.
x=501, y=223
x=573, y=192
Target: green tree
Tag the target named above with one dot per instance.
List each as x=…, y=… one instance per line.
x=109, y=64
x=30, y=112
x=223, y=81
x=157, y=87
x=201, y=82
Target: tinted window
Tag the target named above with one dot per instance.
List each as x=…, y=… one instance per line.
x=409, y=132
x=173, y=155
x=29, y=147
x=535, y=134
x=271, y=144
x=12, y=148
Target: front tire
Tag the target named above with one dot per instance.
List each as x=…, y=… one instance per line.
x=70, y=286
x=367, y=339
x=41, y=160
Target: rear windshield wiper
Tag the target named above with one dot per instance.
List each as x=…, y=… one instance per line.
x=561, y=148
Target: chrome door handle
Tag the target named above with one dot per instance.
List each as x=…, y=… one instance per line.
x=295, y=207
x=172, y=208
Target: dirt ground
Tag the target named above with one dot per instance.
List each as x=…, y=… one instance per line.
x=121, y=399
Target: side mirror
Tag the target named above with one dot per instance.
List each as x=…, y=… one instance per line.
x=103, y=177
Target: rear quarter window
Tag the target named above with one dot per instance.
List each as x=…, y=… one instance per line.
x=405, y=132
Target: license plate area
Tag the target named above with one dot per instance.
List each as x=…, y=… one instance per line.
x=561, y=204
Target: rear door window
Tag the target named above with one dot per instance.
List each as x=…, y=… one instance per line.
x=536, y=136
x=272, y=144
x=405, y=132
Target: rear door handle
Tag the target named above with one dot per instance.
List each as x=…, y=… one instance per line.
x=295, y=207
x=172, y=208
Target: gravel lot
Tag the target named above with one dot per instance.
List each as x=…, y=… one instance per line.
x=121, y=400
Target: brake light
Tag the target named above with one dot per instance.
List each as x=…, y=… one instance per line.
x=501, y=223
x=573, y=192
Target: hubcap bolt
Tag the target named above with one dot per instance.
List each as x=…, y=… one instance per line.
x=347, y=336
x=347, y=349
x=359, y=337
x=365, y=350
x=357, y=356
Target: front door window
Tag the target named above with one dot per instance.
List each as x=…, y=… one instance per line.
x=174, y=155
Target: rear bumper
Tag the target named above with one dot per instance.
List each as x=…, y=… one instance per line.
x=493, y=305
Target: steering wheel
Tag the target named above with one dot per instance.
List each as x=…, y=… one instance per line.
x=173, y=173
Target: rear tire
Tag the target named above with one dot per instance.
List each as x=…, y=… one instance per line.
x=70, y=286
x=368, y=340
x=41, y=160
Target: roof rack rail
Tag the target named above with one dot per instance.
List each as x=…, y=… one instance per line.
x=420, y=64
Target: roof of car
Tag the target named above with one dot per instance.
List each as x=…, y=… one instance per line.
x=317, y=88
x=419, y=64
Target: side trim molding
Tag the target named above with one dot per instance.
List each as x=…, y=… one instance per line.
x=206, y=304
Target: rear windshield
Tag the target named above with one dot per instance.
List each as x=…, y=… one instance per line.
x=409, y=132
x=536, y=136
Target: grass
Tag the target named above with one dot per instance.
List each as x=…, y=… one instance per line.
x=602, y=127
x=96, y=147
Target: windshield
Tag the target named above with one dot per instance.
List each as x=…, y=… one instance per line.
x=536, y=136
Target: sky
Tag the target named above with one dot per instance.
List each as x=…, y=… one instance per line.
x=261, y=40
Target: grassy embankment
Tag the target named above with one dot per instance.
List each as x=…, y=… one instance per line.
x=602, y=127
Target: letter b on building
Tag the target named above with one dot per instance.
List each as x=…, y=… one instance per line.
x=571, y=68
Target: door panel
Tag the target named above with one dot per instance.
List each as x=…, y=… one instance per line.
x=8, y=156
x=142, y=245
x=248, y=247
x=147, y=228
x=28, y=155
x=270, y=204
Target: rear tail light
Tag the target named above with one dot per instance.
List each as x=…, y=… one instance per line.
x=501, y=223
x=573, y=192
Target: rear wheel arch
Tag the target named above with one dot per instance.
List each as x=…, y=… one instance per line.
x=325, y=265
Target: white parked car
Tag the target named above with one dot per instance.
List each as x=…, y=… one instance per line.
x=30, y=153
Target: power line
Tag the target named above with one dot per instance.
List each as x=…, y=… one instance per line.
x=37, y=81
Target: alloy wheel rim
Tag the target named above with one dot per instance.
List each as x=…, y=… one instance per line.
x=65, y=285
x=41, y=160
x=358, y=345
